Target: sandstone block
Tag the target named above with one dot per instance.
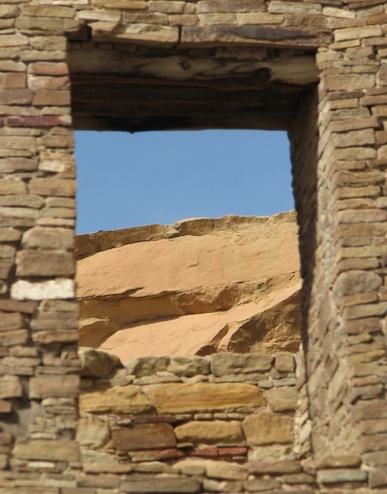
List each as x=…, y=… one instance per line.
x=373, y=426
x=167, y=485
x=284, y=362
x=10, y=387
x=9, y=234
x=347, y=124
x=38, y=24
x=146, y=366
x=11, y=185
x=274, y=467
x=225, y=470
x=7, y=252
x=347, y=461
x=294, y=7
x=48, y=68
x=259, y=18
x=264, y=428
x=188, y=366
x=354, y=138
x=47, y=11
x=92, y=433
x=140, y=33
x=5, y=406
x=22, y=200
x=144, y=436
x=97, y=363
x=91, y=15
x=181, y=398
x=52, y=187
x=213, y=432
x=259, y=485
x=12, y=80
x=55, y=320
x=39, y=121
x=57, y=165
x=44, y=263
x=121, y=4
x=97, y=462
x=214, y=452
x=5, y=268
x=218, y=6
x=357, y=32
x=237, y=363
x=341, y=82
x=47, y=82
x=353, y=153
x=375, y=459
x=16, y=96
x=357, y=282
x=11, y=321
x=13, y=40
x=48, y=238
x=14, y=337
x=378, y=477
x=23, y=214
x=156, y=455
x=127, y=399
x=212, y=18
x=42, y=386
x=52, y=289
x=282, y=399
x=376, y=442
x=341, y=475
x=58, y=450
x=8, y=11
x=46, y=97
x=54, y=336
x=11, y=165
x=167, y=7
x=43, y=55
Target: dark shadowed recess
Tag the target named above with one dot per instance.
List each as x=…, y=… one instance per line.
x=143, y=88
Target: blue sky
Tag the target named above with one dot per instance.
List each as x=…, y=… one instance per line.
x=137, y=179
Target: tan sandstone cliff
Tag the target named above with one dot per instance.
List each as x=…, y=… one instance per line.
x=197, y=287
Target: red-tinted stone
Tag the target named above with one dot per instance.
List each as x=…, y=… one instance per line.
x=5, y=406
x=144, y=436
x=12, y=80
x=41, y=121
x=49, y=68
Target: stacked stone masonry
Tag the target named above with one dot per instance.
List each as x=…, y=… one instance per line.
x=315, y=68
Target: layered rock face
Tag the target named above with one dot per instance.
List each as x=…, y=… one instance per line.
x=197, y=287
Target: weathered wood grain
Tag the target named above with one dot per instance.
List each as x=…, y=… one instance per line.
x=187, y=89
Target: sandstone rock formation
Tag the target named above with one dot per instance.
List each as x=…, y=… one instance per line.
x=198, y=287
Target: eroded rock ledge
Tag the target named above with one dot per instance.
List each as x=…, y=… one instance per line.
x=198, y=287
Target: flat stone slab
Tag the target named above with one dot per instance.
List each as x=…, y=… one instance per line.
x=180, y=398
x=161, y=485
x=144, y=436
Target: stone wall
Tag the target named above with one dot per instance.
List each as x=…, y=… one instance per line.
x=249, y=53
x=229, y=406
x=222, y=423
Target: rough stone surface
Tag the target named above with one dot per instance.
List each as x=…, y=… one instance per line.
x=144, y=436
x=263, y=428
x=97, y=363
x=202, y=432
x=202, y=307
x=117, y=400
x=204, y=396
